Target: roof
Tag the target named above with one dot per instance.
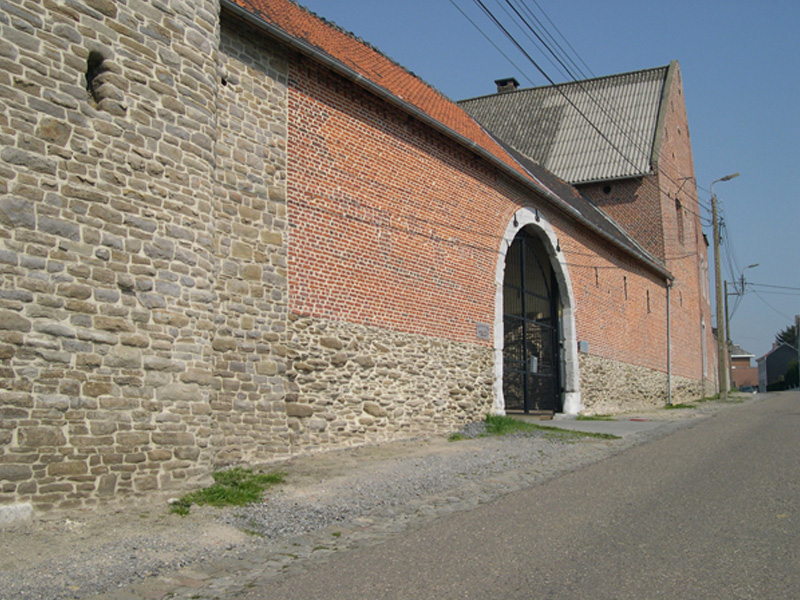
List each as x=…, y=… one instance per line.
x=583, y=131
x=739, y=352
x=355, y=59
x=600, y=220
x=782, y=348
x=375, y=67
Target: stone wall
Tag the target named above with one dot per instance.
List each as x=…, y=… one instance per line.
x=251, y=227
x=609, y=387
x=108, y=247
x=350, y=384
x=142, y=249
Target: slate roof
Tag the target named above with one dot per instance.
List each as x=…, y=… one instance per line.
x=598, y=219
x=592, y=130
x=359, y=61
x=738, y=351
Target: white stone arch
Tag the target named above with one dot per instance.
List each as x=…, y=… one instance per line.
x=531, y=218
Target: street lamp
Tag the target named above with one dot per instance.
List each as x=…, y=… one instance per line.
x=722, y=361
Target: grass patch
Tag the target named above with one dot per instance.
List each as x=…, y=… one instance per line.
x=595, y=418
x=456, y=437
x=234, y=487
x=679, y=406
x=505, y=425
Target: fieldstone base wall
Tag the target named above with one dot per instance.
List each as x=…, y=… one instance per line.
x=352, y=384
x=609, y=387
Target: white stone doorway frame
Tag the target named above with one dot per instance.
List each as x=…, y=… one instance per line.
x=537, y=224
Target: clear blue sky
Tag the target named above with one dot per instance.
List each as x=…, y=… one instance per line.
x=740, y=62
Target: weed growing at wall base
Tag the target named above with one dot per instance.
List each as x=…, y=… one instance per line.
x=234, y=487
x=504, y=425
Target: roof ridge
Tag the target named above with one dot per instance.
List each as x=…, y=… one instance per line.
x=562, y=84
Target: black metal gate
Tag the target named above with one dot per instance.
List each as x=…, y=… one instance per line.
x=531, y=357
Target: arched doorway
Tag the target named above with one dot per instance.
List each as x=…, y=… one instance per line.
x=531, y=336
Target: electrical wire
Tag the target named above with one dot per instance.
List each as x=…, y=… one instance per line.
x=778, y=287
x=614, y=120
x=757, y=295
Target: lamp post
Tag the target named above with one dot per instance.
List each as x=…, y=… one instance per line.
x=722, y=361
x=737, y=292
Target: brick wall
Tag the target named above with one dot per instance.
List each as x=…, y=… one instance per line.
x=395, y=227
x=662, y=212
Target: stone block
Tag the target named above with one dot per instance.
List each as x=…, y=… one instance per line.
x=15, y=472
x=53, y=131
x=136, y=340
x=339, y=359
x=374, y=409
x=55, y=329
x=15, y=513
x=41, y=436
x=331, y=342
x=241, y=250
x=106, y=485
x=57, y=227
x=145, y=483
x=293, y=409
x=12, y=321
x=67, y=468
x=317, y=424
x=173, y=438
x=102, y=427
x=187, y=453
x=224, y=344
x=112, y=324
x=199, y=376
x=159, y=455
x=123, y=357
x=17, y=212
x=272, y=238
x=178, y=392
x=159, y=363
x=252, y=272
x=364, y=361
x=267, y=367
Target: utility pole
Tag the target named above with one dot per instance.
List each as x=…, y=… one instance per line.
x=728, y=367
x=722, y=354
x=737, y=292
x=797, y=331
x=722, y=371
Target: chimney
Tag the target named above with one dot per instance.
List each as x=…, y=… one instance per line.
x=509, y=84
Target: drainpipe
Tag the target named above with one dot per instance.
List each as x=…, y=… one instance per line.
x=669, y=347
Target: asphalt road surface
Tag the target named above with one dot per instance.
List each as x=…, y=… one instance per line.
x=710, y=511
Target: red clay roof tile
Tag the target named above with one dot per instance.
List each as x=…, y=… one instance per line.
x=377, y=68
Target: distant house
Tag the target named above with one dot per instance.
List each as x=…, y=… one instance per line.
x=743, y=369
x=772, y=367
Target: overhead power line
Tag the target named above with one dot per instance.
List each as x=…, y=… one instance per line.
x=614, y=118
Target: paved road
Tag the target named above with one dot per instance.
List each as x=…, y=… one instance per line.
x=710, y=511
